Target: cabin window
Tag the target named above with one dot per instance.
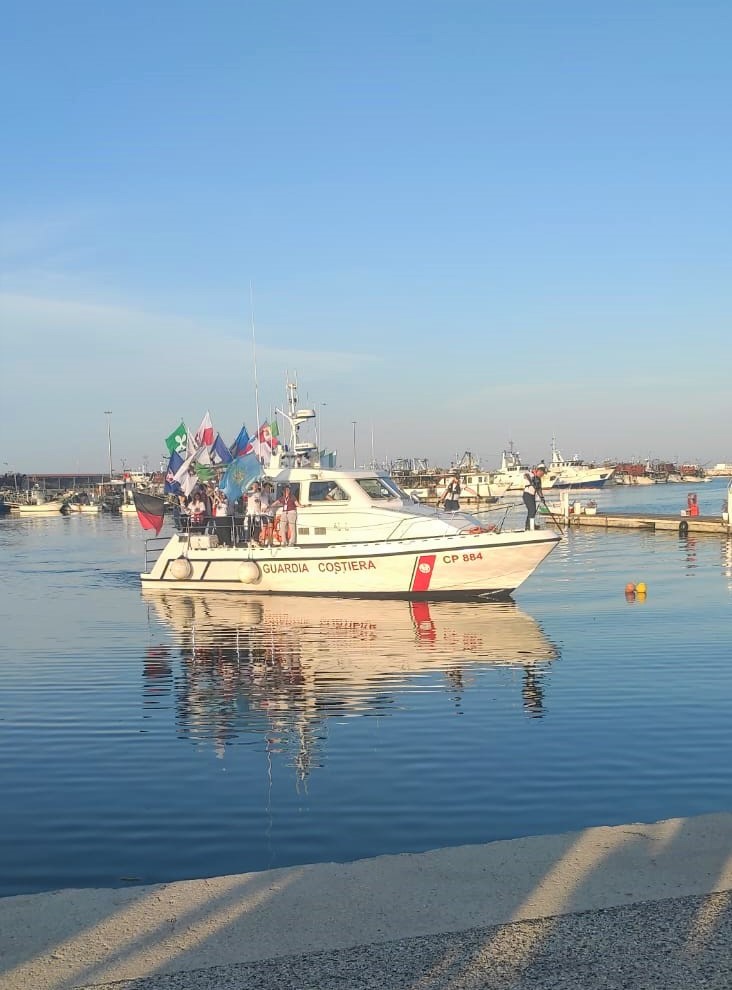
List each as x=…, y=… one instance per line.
x=319, y=531
x=378, y=488
x=326, y=491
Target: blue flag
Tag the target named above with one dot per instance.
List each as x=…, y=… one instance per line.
x=239, y=475
x=171, y=486
x=220, y=453
x=239, y=446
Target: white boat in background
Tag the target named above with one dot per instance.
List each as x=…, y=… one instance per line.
x=511, y=473
x=628, y=478
x=358, y=534
x=39, y=506
x=692, y=474
x=477, y=484
x=575, y=473
x=82, y=502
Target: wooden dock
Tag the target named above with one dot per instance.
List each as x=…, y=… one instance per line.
x=683, y=525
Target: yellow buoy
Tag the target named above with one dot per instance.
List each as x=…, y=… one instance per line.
x=641, y=588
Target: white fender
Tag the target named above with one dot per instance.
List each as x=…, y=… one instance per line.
x=181, y=568
x=249, y=572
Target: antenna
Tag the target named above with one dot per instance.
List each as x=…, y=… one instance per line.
x=254, y=353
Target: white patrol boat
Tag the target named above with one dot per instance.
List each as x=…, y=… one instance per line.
x=576, y=473
x=358, y=534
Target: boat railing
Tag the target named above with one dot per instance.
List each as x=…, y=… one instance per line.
x=154, y=546
x=498, y=516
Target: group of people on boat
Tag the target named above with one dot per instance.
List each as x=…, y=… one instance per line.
x=258, y=517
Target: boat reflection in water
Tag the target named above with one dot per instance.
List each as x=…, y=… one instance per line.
x=278, y=666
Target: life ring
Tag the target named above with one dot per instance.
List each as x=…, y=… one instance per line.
x=181, y=569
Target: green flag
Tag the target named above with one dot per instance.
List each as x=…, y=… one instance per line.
x=178, y=439
x=274, y=428
x=204, y=472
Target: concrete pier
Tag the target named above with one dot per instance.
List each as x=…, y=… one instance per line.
x=714, y=525
x=640, y=905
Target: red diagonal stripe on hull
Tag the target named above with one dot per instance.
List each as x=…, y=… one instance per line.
x=423, y=572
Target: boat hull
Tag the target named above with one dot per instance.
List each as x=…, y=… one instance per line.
x=42, y=509
x=478, y=565
x=592, y=482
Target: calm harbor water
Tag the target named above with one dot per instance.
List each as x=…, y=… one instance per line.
x=150, y=737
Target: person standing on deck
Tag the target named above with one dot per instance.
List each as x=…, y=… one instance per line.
x=267, y=515
x=288, y=517
x=197, y=511
x=452, y=495
x=529, y=497
x=536, y=476
x=222, y=518
x=254, y=513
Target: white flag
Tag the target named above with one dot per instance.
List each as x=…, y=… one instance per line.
x=186, y=475
x=205, y=432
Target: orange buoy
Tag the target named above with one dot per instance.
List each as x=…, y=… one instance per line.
x=629, y=588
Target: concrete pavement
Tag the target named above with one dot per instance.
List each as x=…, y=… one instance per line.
x=638, y=905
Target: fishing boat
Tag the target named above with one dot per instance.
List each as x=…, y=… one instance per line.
x=358, y=533
x=511, y=474
x=575, y=473
x=83, y=502
x=39, y=505
x=477, y=484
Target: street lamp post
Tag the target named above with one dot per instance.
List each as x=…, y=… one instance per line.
x=354, y=443
x=108, y=414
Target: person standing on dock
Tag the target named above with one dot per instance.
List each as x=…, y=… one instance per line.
x=529, y=497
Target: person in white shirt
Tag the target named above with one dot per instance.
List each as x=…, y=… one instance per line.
x=222, y=517
x=253, y=515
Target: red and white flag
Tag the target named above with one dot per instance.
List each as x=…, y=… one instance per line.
x=262, y=444
x=205, y=433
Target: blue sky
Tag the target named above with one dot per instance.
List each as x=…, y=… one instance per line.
x=460, y=223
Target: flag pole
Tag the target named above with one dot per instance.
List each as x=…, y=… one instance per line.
x=254, y=352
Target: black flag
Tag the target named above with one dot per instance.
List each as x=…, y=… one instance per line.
x=150, y=510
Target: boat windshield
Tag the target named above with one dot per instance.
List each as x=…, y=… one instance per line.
x=381, y=488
